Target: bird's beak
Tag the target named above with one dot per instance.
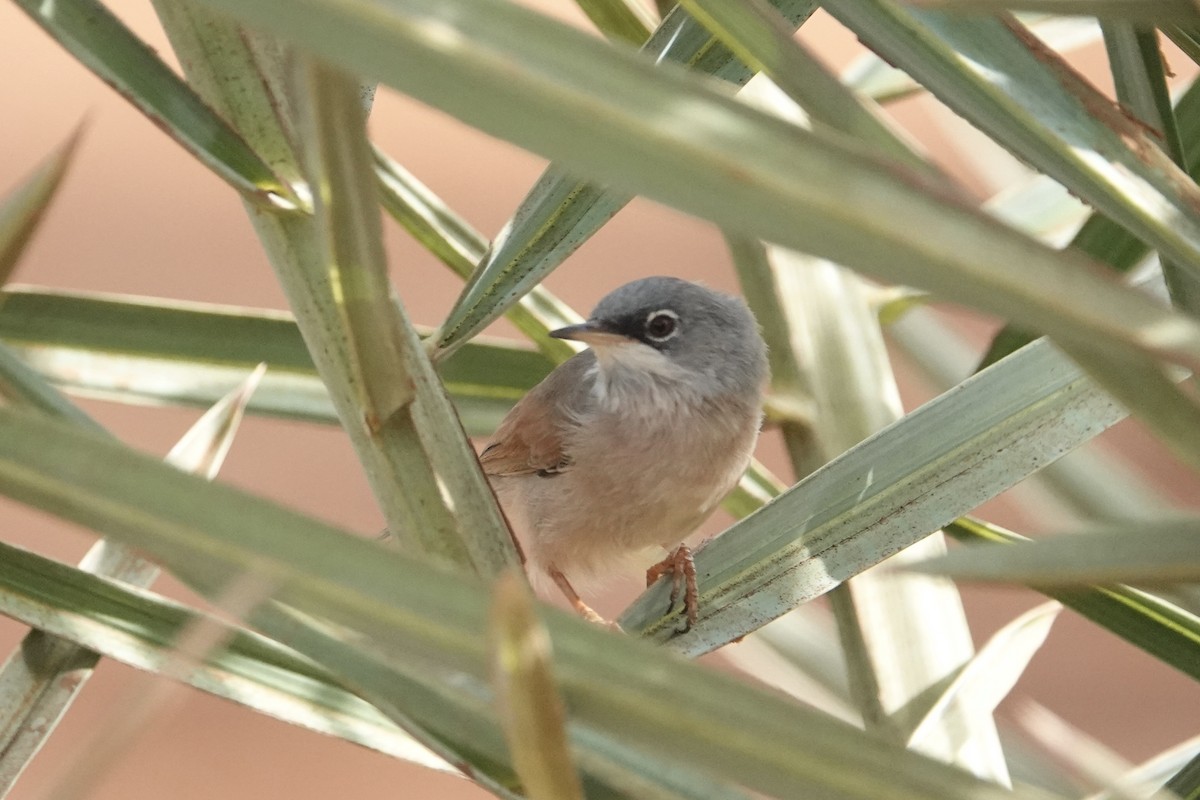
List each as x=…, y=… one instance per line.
x=593, y=332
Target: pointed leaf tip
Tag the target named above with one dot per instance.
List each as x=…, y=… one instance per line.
x=22, y=210
x=203, y=448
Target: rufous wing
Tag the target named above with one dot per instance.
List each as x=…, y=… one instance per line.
x=532, y=438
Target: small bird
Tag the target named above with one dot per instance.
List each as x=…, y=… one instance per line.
x=630, y=445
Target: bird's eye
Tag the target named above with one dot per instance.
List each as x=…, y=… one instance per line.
x=662, y=325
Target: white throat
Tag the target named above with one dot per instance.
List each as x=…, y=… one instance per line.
x=634, y=377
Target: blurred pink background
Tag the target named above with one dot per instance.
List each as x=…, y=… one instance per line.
x=138, y=215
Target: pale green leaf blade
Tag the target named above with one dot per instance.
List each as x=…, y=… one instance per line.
x=460, y=247
x=562, y=210
x=1174, y=769
x=203, y=448
x=152, y=350
x=427, y=217
x=763, y=39
x=900, y=637
x=1005, y=82
x=22, y=209
x=410, y=615
x=1106, y=241
x=40, y=681
x=742, y=168
x=1152, y=393
x=444, y=508
x=1147, y=11
x=1082, y=755
x=873, y=77
x=1186, y=783
x=21, y=384
x=988, y=677
x=755, y=489
x=346, y=209
x=100, y=41
x=620, y=20
x=1186, y=37
x=1135, y=59
x=226, y=65
x=936, y=463
x=1146, y=552
x=136, y=627
x=530, y=706
x=1167, y=632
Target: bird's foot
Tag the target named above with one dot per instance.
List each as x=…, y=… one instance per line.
x=581, y=608
x=682, y=568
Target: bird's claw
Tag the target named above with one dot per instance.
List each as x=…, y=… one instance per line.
x=682, y=569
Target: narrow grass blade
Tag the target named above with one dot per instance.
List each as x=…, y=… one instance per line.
x=346, y=209
x=431, y=623
x=93, y=35
x=562, y=210
x=745, y=169
x=994, y=73
x=1106, y=241
x=21, y=385
x=1144, y=552
x=1150, y=392
x=530, y=706
x=1135, y=59
x=22, y=209
x=1041, y=207
x=1095, y=484
x=446, y=509
x=460, y=247
x=203, y=448
x=763, y=39
x=875, y=78
x=1174, y=769
x=988, y=677
x=1165, y=631
x=620, y=20
x=1147, y=11
x=427, y=217
x=152, y=350
x=1185, y=36
x=1082, y=755
x=915, y=476
x=1186, y=783
x=900, y=637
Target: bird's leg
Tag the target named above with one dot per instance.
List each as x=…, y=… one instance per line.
x=682, y=568
x=576, y=601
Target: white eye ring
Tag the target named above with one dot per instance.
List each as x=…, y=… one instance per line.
x=672, y=330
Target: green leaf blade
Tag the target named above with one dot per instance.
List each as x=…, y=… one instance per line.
x=151, y=350
x=88, y=31
x=1162, y=629
x=136, y=628
x=885, y=494
x=562, y=210
x=742, y=168
x=432, y=622
x=22, y=210
x=532, y=710
x=1147, y=552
